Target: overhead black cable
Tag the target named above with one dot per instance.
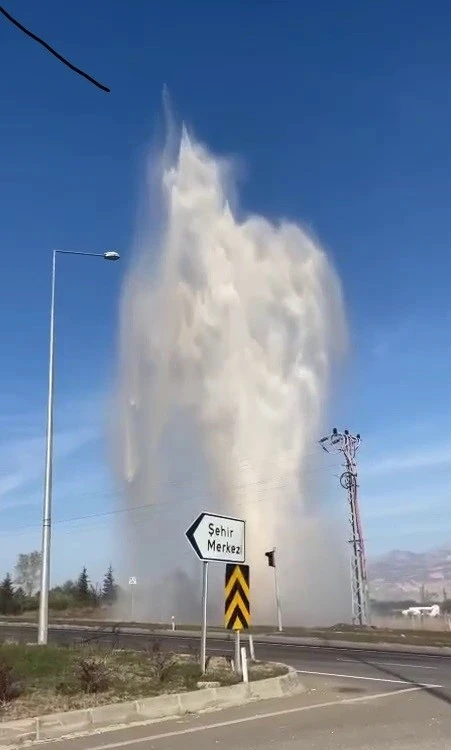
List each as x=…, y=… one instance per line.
x=52, y=51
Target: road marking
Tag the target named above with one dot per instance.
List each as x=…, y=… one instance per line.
x=358, y=651
x=372, y=679
x=353, y=647
x=247, y=719
x=388, y=664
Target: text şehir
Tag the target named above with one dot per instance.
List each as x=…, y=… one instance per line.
x=216, y=533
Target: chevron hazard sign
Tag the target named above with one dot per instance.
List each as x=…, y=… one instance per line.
x=237, y=597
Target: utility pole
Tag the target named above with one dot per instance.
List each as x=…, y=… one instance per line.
x=347, y=445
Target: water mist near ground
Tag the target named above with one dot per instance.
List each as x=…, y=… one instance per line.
x=229, y=330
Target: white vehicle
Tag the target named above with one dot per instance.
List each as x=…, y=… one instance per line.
x=433, y=611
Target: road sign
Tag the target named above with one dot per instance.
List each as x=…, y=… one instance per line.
x=237, y=597
x=217, y=538
x=132, y=581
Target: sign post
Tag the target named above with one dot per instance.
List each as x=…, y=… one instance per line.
x=203, y=643
x=237, y=652
x=215, y=538
x=132, y=582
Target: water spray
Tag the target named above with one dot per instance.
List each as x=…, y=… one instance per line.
x=229, y=330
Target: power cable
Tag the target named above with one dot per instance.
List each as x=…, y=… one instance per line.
x=52, y=51
x=172, y=504
x=191, y=479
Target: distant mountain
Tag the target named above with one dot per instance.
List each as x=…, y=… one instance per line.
x=401, y=574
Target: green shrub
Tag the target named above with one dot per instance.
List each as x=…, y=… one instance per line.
x=59, y=601
x=9, y=686
x=161, y=661
x=93, y=675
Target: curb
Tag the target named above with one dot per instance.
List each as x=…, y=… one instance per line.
x=168, y=706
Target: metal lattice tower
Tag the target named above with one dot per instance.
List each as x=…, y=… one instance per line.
x=347, y=445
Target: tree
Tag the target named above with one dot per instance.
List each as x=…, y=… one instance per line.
x=19, y=596
x=69, y=588
x=82, y=589
x=7, y=603
x=109, y=589
x=27, y=571
x=95, y=592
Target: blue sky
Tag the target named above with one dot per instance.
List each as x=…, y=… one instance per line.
x=342, y=116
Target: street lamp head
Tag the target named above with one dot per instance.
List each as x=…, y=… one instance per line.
x=111, y=255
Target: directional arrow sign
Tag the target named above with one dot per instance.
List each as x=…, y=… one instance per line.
x=217, y=538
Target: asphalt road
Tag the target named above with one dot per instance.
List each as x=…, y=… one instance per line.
x=380, y=668
x=340, y=718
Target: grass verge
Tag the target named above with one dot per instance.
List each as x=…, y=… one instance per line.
x=40, y=680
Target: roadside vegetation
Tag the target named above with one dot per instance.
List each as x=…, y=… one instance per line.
x=19, y=594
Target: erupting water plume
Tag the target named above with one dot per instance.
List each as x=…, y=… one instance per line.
x=229, y=329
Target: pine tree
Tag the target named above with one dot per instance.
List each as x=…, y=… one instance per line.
x=109, y=590
x=19, y=597
x=7, y=603
x=82, y=587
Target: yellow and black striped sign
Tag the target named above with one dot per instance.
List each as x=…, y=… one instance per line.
x=237, y=597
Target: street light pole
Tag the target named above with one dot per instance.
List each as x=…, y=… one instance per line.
x=47, y=509
x=47, y=506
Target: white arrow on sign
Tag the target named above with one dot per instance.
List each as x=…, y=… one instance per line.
x=218, y=538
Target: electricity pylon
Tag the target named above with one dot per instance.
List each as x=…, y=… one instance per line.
x=347, y=445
